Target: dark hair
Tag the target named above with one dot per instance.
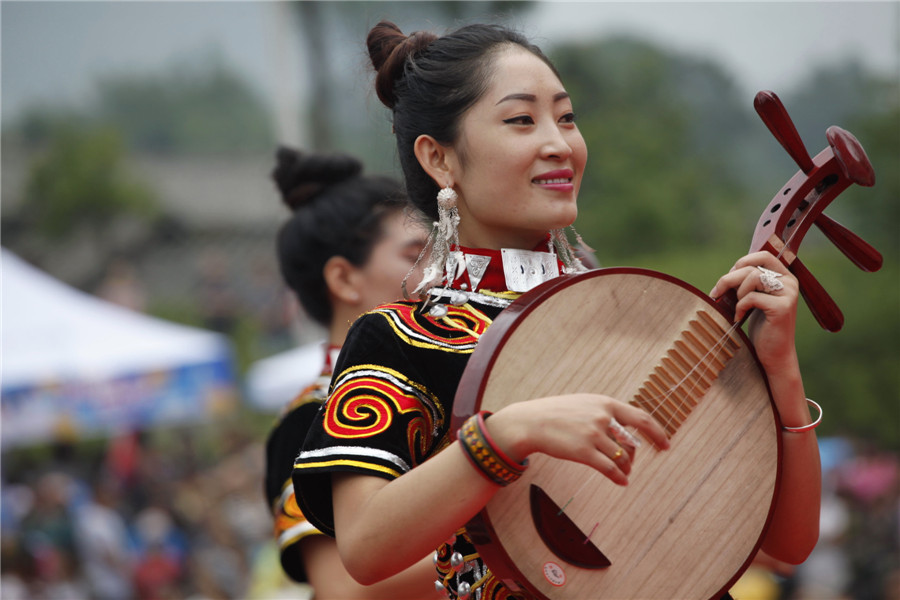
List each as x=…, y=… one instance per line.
x=429, y=82
x=337, y=212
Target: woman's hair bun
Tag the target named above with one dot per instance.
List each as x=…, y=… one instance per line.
x=388, y=51
x=301, y=177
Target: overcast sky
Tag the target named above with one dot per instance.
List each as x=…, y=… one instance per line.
x=764, y=43
x=53, y=50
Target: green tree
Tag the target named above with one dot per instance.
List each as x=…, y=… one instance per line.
x=197, y=105
x=875, y=213
x=656, y=180
x=837, y=94
x=194, y=107
x=855, y=371
x=79, y=188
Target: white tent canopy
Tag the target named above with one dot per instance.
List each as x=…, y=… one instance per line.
x=273, y=382
x=70, y=358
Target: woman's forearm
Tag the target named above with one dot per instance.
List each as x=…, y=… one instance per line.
x=794, y=529
x=383, y=527
x=407, y=518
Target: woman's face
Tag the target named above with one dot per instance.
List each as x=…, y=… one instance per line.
x=391, y=259
x=518, y=164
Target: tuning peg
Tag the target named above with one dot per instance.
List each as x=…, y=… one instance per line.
x=854, y=247
x=850, y=155
x=820, y=304
x=776, y=118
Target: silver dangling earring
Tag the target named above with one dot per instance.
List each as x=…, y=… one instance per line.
x=566, y=253
x=424, y=251
x=444, y=262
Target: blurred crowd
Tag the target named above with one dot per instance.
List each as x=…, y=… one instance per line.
x=141, y=519
x=148, y=516
x=858, y=554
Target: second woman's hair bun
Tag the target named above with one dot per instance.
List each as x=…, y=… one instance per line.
x=388, y=51
x=301, y=177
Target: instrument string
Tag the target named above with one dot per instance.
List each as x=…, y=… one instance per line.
x=577, y=492
x=593, y=529
x=719, y=344
x=714, y=350
x=717, y=347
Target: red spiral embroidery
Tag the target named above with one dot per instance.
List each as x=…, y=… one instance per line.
x=365, y=407
x=419, y=329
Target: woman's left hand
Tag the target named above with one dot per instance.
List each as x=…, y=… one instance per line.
x=773, y=293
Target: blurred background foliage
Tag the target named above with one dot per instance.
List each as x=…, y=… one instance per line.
x=80, y=183
x=679, y=169
x=198, y=105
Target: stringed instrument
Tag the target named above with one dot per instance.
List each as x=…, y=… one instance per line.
x=692, y=518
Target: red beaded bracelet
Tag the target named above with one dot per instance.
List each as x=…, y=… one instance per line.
x=480, y=449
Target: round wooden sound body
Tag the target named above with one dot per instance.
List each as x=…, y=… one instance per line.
x=692, y=517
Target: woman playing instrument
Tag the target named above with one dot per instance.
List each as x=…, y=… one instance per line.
x=490, y=151
x=345, y=249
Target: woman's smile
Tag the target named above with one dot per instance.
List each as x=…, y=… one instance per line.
x=557, y=180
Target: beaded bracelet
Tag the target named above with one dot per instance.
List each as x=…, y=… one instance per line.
x=811, y=426
x=491, y=461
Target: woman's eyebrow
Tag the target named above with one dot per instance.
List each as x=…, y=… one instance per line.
x=531, y=97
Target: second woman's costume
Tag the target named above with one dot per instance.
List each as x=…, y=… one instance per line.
x=282, y=445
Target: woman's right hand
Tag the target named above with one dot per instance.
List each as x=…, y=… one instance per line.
x=577, y=427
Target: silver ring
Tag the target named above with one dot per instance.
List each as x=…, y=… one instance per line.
x=769, y=280
x=622, y=435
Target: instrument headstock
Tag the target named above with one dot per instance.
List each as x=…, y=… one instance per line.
x=801, y=201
